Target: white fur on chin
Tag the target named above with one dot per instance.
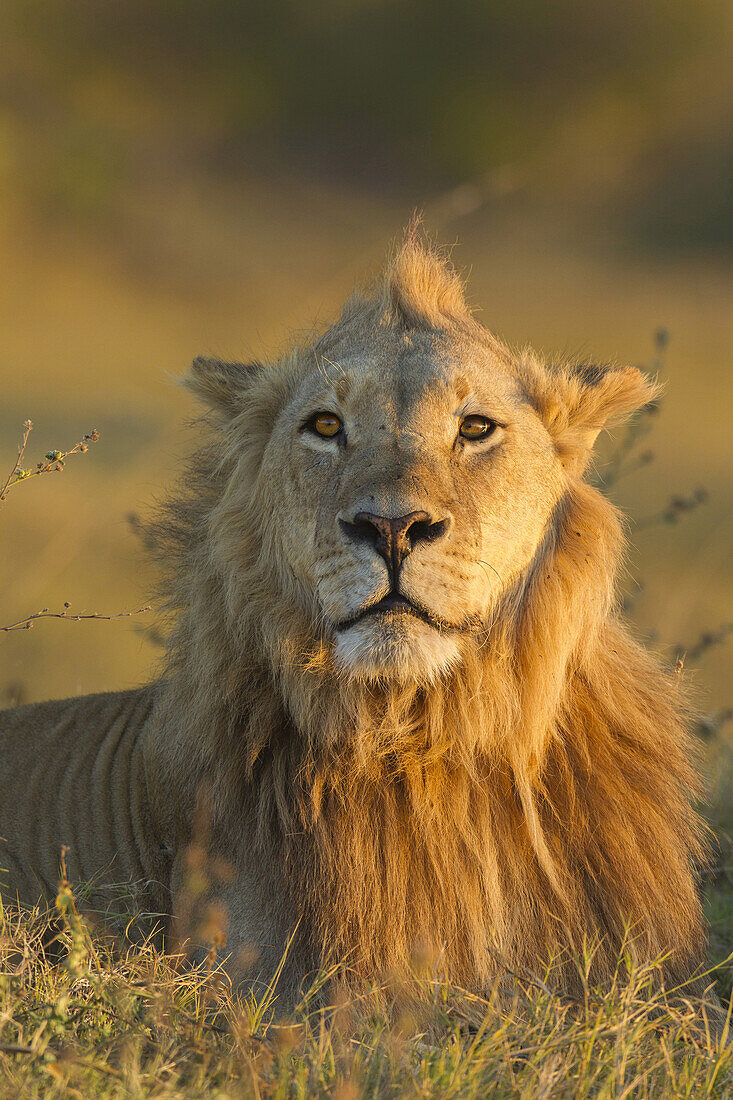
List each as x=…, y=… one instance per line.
x=395, y=647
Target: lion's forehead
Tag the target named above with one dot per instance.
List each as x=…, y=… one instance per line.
x=408, y=383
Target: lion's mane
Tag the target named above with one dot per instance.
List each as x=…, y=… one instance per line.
x=536, y=802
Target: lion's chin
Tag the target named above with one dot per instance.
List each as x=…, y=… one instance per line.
x=395, y=647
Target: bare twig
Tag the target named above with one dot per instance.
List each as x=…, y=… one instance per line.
x=678, y=505
x=623, y=461
x=44, y=613
x=706, y=641
x=27, y=429
x=53, y=460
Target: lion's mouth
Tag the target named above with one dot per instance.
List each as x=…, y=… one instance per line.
x=394, y=603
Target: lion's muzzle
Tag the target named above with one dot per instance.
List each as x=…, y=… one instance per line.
x=393, y=538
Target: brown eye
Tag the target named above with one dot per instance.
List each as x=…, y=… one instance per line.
x=326, y=424
x=476, y=427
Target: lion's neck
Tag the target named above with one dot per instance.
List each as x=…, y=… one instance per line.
x=391, y=839
x=400, y=821
x=396, y=861
x=416, y=831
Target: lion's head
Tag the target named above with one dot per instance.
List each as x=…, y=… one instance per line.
x=406, y=468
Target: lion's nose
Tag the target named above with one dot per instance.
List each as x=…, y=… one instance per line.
x=394, y=538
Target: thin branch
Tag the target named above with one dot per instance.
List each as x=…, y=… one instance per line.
x=44, y=613
x=706, y=641
x=27, y=429
x=623, y=461
x=53, y=460
x=678, y=506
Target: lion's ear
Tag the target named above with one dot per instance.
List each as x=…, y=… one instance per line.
x=605, y=396
x=218, y=384
x=577, y=402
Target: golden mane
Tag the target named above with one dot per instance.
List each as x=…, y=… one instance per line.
x=535, y=802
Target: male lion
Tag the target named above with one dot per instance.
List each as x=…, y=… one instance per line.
x=396, y=681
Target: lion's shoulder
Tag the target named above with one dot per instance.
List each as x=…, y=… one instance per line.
x=73, y=779
x=91, y=712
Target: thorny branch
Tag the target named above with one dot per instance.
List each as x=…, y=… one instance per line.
x=27, y=429
x=44, y=613
x=53, y=460
x=677, y=506
x=627, y=458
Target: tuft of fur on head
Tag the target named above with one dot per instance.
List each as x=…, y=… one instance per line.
x=421, y=285
x=418, y=289
x=533, y=800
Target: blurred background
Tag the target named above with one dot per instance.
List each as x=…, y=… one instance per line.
x=211, y=177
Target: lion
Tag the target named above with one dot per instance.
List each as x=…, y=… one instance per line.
x=400, y=715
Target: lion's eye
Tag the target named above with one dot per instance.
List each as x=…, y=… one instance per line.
x=326, y=425
x=476, y=427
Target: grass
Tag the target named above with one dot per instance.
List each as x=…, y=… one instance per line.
x=114, y=1021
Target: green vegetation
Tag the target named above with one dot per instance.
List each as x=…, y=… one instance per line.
x=130, y=1022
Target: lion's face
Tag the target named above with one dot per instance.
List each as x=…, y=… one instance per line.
x=382, y=494
x=411, y=482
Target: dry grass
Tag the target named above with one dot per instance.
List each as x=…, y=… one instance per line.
x=109, y=1021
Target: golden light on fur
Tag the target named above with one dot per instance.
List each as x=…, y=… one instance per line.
x=523, y=791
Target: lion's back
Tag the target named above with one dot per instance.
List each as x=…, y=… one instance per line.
x=72, y=777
